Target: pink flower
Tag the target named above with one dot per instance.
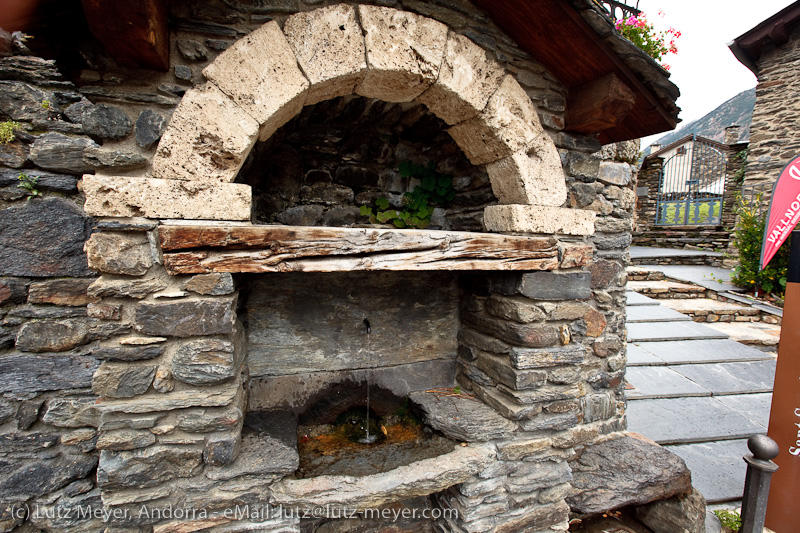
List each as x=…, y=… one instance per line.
x=656, y=44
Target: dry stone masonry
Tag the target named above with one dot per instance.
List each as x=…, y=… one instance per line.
x=155, y=378
x=770, y=152
x=259, y=78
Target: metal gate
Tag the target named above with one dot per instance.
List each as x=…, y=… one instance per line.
x=692, y=185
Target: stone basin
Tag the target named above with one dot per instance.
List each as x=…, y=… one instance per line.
x=361, y=492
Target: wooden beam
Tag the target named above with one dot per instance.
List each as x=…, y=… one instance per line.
x=779, y=33
x=556, y=35
x=599, y=105
x=254, y=249
x=135, y=32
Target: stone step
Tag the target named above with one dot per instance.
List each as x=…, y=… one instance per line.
x=761, y=306
x=641, y=273
x=693, y=352
x=653, y=313
x=730, y=378
x=667, y=289
x=654, y=232
x=695, y=419
x=671, y=331
x=634, y=299
x=698, y=260
x=751, y=333
x=677, y=381
x=708, y=310
x=651, y=252
x=650, y=255
x=756, y=407
x=716, y=279
x=646, y=382
x=718, y=470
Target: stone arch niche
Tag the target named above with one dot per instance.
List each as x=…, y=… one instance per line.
x=265, y=79
x=183, y=369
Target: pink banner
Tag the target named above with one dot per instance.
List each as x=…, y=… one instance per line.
x=784, y=211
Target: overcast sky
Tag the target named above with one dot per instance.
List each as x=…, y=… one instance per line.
x=704, y=69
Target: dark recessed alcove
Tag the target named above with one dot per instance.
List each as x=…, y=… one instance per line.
x=340, y=154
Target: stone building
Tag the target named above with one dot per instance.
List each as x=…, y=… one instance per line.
x=772, y=51
x=188, y=275
x=686, y=193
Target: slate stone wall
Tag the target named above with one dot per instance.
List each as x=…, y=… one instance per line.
x=774, y=140
x=166, y=355
x=49, y=323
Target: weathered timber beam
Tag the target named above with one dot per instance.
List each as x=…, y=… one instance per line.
x=598, y=105
x=198, y=249
x=135, y=32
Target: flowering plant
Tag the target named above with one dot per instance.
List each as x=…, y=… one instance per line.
x=640, y=32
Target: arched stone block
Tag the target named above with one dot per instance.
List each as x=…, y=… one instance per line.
x=509, y=123
x=260, y=73
x=257, y=86
x=109, y=196
x=538, y=219
x=532, y=176
x=404, y=52
x=208, y=138
x=467, y=79
x=329, y=46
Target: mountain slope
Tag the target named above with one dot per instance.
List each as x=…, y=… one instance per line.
x=738, y=110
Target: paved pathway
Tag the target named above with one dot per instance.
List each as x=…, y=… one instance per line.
x=656, y=252
x=714, y=278
x=695, y=391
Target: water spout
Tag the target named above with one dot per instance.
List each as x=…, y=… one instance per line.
x=368, y=439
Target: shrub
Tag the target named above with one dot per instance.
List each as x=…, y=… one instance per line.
x=748, y=235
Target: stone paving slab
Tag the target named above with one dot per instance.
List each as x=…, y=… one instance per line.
x=761, y=306
x=635, y=299
x=671, y=331
x=706, y=305
x=702, y=351
x=640, y=357
x=659, y=287
x=755, y=333
x=660, y=382
x=718, y=470
x=756, y=407
x=654, y=313
x=687, y=420
x=653, y=251
x=731, y=378
x=714, y=278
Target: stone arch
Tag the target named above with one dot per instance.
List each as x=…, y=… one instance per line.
x=265, y=79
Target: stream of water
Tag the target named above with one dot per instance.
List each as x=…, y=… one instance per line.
x=369, y=439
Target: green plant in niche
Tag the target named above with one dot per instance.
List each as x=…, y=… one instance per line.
x=729, y=519
x=46, y=104
x=434, y=189
x=29, y=184
x=7, y=131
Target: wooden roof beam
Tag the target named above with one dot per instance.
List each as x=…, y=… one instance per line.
x=135, y=32
x=599, y=104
